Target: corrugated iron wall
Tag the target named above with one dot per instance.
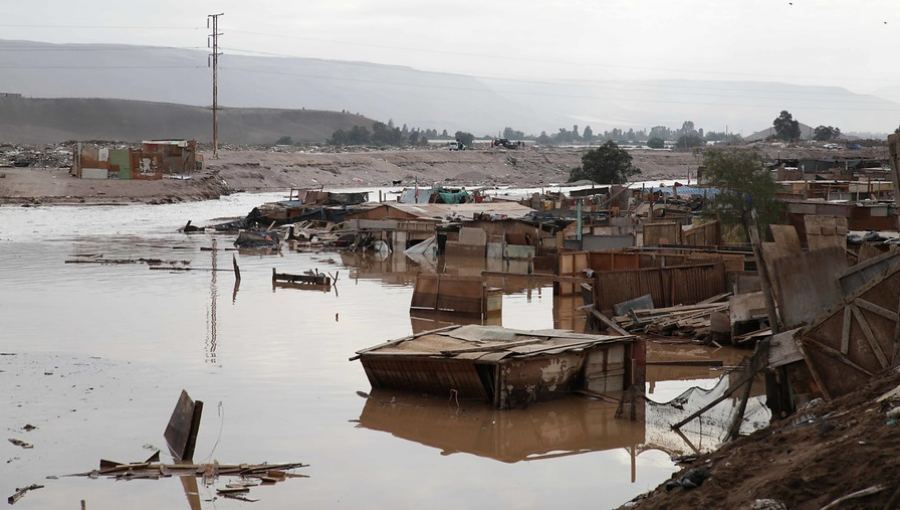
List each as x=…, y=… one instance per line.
x=425, y=375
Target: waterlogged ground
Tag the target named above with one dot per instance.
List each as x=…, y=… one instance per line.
x=95, y=357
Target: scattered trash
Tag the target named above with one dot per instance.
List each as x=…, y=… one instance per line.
x=767, y=504
x=691, y=480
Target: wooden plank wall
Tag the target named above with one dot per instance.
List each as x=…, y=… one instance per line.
x=707, y=234
x=662, y=232
x=425, y=375
x=453, y=294
x=668, y=286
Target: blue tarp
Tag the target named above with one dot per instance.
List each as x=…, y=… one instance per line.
x=692, y=191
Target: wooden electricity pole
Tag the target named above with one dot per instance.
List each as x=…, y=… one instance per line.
x=212, y=21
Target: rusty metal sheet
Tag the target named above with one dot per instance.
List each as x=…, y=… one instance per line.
x=523, y=381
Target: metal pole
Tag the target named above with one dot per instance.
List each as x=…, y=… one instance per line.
x=215, y=66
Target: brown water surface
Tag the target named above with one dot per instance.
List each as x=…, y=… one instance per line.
x=99, y=353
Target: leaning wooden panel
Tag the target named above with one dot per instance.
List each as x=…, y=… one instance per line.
x=850, y=343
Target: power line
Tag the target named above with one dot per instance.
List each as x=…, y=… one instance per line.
x=101, y=27
x=486, y=90
x=103, y=67
x=61, y=48
x=507, y=58
x=639, y=87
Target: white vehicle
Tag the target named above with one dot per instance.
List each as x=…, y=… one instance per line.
x=456, y=146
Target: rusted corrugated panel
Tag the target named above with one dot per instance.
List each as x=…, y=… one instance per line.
x=425, y=375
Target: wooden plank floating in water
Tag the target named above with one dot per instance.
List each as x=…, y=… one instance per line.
x=301, y=279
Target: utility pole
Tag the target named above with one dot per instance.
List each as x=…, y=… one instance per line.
x=213, y=61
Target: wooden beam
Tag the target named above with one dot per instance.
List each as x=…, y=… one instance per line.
x=870, y=337
x=834, y=353
x=611, y=324
x=845, y=334
x=872, y=307
x=763, y=271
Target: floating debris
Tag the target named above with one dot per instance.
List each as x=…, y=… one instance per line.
x=19, y=442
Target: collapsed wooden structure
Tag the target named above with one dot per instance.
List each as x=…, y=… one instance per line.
x=506, y=367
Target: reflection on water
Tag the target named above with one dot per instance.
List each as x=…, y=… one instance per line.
x=278, y=362
x=559, y=428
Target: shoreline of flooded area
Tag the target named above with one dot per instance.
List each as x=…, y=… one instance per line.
x=97, y=354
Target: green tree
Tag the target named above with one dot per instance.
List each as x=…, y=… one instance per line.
x=588, y=134
x=465, y=138
x=607, y=164
x=689, y=141
x=786, y=128
x=744, y=183
x=512, y=134
x=656, y=143
x=385, y=134
x=661, y=132
x=544, y=139
x=285, y=140
x=826, y=133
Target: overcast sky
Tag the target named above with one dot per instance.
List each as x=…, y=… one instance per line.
x=823, y=42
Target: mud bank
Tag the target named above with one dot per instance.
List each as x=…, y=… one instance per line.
x=806, y=461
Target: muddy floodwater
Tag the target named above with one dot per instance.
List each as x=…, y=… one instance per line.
x=95, y=356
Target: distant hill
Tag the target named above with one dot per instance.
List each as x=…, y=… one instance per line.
x=35, y=121
x=423, y=99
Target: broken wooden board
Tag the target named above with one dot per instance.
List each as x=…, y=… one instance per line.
x=806, y=285
x=825, y=231
x=181, y=432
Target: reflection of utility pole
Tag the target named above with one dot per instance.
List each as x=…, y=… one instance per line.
x=214, y=62
x=212, y=342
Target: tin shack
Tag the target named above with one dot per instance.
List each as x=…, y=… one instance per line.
x=506, y=367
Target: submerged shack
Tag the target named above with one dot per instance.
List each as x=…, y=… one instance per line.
x=506, y=367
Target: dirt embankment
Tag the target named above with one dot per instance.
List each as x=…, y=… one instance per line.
x=803, y=462
x=258, y=170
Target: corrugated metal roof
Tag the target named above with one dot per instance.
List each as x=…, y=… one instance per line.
x=505, y=209
x=692, y=191
x=489, y=343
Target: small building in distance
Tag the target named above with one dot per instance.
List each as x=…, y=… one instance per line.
x=153, y=160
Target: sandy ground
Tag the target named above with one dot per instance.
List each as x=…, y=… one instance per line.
x=803, y=462
x=258, y=171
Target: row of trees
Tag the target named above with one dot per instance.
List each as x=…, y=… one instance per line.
x=387, y=134
x=786, y=128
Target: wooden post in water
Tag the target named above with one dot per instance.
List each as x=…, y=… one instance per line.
x=237, y=270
